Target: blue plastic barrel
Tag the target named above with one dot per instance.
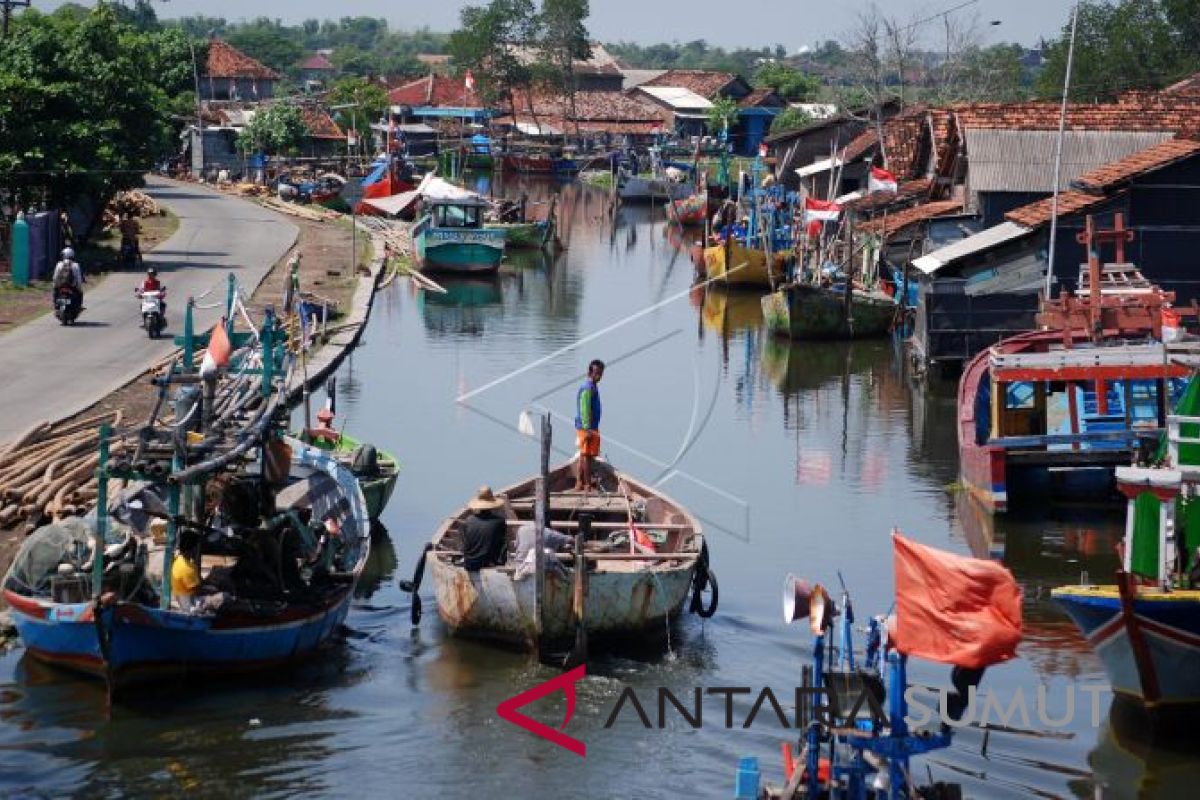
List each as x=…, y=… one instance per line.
x=749, y=779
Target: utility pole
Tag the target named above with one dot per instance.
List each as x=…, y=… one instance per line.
x=6, y=8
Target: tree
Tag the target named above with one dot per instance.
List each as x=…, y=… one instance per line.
x=790, y=84
x=267, y=41
x=790, y=119
x=368, y=98
x=489, y=42
x=1132, y=44
x=276, y=129
x=562, y=40
x=84, y=106
x=723, y=113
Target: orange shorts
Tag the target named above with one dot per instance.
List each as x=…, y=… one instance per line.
x=589, y=443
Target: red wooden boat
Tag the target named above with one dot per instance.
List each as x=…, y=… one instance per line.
x=1052, y=412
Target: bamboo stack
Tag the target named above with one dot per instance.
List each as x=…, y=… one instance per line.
x=50, y=470
x=303, y=212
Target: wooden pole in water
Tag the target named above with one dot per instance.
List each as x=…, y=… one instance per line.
x=579, y=654
x=541, y=518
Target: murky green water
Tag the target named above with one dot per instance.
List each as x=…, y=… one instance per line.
x=798, y=459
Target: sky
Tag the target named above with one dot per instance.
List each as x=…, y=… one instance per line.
x=746, y=23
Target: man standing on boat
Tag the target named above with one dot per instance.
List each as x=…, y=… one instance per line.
x=587, y=424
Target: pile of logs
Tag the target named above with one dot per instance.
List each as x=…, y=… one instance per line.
x=139, y=204
x=311, y=213
x=50, y=470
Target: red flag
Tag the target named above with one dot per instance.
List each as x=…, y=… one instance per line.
x=954, y=609
x=820, y=210
x=641, y=541
x=880, y=180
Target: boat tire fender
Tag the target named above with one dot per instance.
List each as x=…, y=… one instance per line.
x=704, y=578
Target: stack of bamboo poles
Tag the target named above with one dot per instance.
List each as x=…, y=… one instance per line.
x=309, y=213
x=50, y=470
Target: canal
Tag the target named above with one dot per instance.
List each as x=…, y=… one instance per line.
x=797, y=458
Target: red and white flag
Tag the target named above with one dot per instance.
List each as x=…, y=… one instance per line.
x=469, y=81
x=216, y=357
x=881, y=180
x=820, y=210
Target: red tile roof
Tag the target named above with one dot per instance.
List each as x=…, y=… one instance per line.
x=1160, y=155
x=903, y=138
x=765, y=97
x=889, y=224
x=1039, y=213
x=320, y=125
x=1188, y=86
x=703, y=82
x=612, y=106
x=1136, y=113
x=226, y=61
x=435, y=90
x=316, y=62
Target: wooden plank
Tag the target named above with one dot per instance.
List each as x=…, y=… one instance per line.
x=610, y=526
x=602, y=556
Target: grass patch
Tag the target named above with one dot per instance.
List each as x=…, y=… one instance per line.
x=601, y=180
x=103, y=252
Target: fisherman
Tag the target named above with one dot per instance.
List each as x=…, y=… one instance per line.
x=587, y=424
x=483, y=537
x=68, y=274
x=552, y=541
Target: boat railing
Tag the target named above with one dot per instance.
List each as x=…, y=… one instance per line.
x=1127, y=355
x=1132, y=438
x=1176, y=439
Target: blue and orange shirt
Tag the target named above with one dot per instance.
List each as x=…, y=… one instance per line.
x=587, y=407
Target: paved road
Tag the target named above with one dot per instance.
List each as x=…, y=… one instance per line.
x=48, y=371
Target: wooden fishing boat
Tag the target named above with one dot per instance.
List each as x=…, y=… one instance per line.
x=452, y=237
x=131, y=634
x=734, y=264
x=375, y=470
x=1146, y=627
x=691, y=210
x=1051, y=413
x=538, y=164
x=650, y=188
x=629, y=595
x=802, y=311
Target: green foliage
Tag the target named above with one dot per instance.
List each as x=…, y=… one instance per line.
x=370, y=98
x=994, y=74
x=361, y=45
x=790, y=119
x=697, y=54
x=84, y=104
x=723, y=113
x=1130, y=44
x=484, y=44
x=790, y=84
x=268, y=41
x=562, y=39
x=276, y=129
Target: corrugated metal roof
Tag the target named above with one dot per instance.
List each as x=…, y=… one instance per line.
x=984, y=240
x=676, y=96
x=1023, y=161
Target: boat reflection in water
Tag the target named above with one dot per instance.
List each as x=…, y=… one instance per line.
x=463, y=309
x=1127, y=767
x=381, y=563
x=728, y=312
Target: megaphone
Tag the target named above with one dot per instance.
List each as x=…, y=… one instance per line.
x=802, y=599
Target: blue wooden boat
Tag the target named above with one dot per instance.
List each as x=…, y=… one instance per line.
x=128, y=636
x=452, y=237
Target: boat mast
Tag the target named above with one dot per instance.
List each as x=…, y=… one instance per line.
x=1058, y=147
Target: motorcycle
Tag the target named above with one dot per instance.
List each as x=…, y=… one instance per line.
x=65, y=307
x=153, y=318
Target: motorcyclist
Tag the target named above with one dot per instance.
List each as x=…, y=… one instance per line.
x=151, y=283
x=67, y=274
x=130, y=233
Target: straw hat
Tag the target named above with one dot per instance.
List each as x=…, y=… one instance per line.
x=484, y=500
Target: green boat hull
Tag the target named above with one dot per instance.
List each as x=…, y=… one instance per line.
x=811, y=312
x=377, y=489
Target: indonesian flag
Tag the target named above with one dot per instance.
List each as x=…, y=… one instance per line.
x=469, y=81
x=954, y=609
x=820, y=210
x=1172, y=325
x=881, y=180
x=640, y=541
x=217, y=355
x=762, y=149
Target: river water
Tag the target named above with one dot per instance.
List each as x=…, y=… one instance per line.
x=797, y=458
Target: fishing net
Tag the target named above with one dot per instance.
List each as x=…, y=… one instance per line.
x=38, y=560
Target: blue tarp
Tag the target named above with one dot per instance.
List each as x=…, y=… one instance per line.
x=376, y=174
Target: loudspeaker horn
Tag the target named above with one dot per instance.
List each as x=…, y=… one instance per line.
x=802, y=599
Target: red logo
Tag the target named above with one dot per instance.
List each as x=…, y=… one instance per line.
x=508, y=709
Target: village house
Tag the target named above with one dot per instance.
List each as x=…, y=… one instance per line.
x=315, y=71
x=804, y=158
x=231, y=75
x=687, y=96
x=434, y=98
x=605, y=116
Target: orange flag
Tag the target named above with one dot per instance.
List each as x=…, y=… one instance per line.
x=954, y=609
